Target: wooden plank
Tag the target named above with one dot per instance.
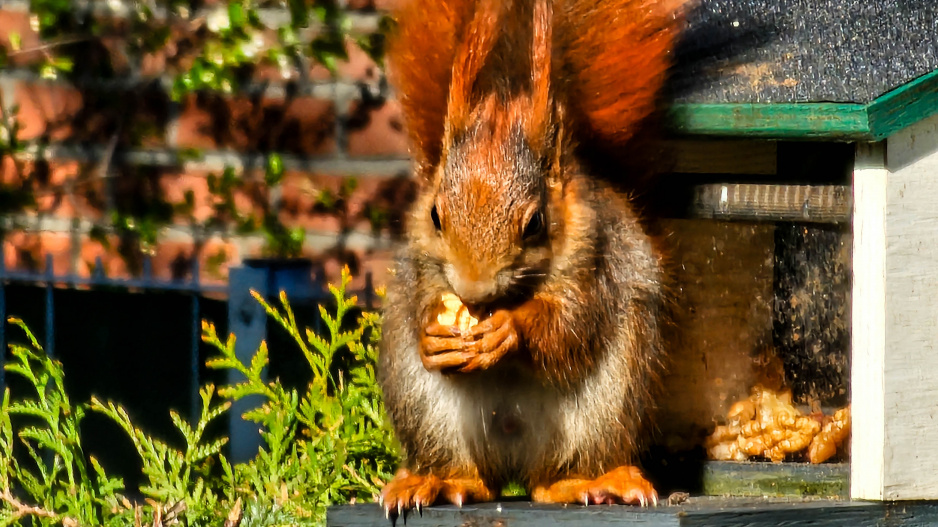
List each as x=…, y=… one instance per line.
x=723, y=156
x=248, y=321
x=693, y=512
x=874, y=121
x=777, y=121
x=767, y=202
x=910, y=375
x=904, y=106
x=868, y=341
x=895, y=309
x=793, y=480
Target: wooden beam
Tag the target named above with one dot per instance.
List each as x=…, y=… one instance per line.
x=724, y=156
x=697, y=512
x=868, y=345
x=895, y=317
x=798, y=203
x=776, y=121
x=866, y=121
x=904, y=106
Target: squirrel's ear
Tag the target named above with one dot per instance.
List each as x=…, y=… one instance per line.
x=477, y=41
x=422, y=44
x=541, y=49
x=555, y=173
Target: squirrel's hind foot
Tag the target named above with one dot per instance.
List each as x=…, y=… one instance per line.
x=625, y=485
x=408, y=491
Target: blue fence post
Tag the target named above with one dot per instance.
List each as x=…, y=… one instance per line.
x=195, y=405
x=49, y=344
x=248, y=322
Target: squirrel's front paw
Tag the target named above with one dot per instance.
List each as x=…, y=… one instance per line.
x=480, y=347
x=411, y=491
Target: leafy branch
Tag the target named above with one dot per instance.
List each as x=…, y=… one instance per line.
x=328, y=443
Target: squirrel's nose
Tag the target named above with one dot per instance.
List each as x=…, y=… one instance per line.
x=475, y=291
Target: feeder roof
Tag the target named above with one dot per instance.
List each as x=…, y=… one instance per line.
x=836, y=69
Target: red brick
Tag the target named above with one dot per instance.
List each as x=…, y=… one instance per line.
x=386, y=5
x=216, y=258
x=301, y=125
x=47, y=110
x=369, y=5
x=172, y=260
x=300, y=194
x=359, y=262
x=249, y=199
x=61, y=112
x=16, y=22
x=113, y=264
x=65, y=189
x=377, y=131
x=25, y=251
x=389, y=197
x=359, y=66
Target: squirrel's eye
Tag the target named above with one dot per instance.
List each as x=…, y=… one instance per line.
x=435, y=218
x=534, y=227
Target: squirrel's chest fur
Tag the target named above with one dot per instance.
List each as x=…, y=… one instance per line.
x=505, y=421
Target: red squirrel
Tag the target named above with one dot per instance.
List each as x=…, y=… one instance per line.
x=554, y=385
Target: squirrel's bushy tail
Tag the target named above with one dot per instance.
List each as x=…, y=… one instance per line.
x=607, y=63
x=615, y=55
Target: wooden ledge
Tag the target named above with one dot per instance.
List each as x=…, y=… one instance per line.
x=748, y=512
x=873, y=121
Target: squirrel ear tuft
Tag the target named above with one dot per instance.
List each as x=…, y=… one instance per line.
x=477, y=41
x=541, y=50
x=421, y=49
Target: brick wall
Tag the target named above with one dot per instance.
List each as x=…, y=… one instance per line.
x=113, y=142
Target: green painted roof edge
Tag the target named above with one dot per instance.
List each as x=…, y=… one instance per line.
x=904, y=106
x=778, y=121
x=877, y=120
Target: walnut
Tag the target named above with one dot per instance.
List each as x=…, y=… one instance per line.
x=836, y=430
x=765, y=425
x=455, y=313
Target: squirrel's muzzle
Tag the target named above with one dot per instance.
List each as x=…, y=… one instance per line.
x=475, y=291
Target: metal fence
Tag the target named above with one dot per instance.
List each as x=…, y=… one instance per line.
x=246, y=318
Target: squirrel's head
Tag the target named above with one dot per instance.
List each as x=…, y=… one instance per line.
x=489, y=220
x=485, y=213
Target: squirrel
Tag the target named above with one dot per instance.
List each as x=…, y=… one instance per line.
x=512, y=108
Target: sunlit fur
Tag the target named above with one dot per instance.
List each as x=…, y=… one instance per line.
x=587, y=296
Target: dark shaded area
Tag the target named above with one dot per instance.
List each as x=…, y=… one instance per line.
x=256, y=124
x=811, y=329
x=780, y=51
x=140, y=359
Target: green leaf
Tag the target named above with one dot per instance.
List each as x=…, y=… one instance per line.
x=274, y=173
x=236, y=14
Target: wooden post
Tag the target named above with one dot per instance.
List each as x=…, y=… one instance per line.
x=895, y=317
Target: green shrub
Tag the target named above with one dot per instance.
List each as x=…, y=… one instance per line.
x=330, y=443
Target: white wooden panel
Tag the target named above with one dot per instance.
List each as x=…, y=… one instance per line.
x=868, y=327
x=896, y=431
